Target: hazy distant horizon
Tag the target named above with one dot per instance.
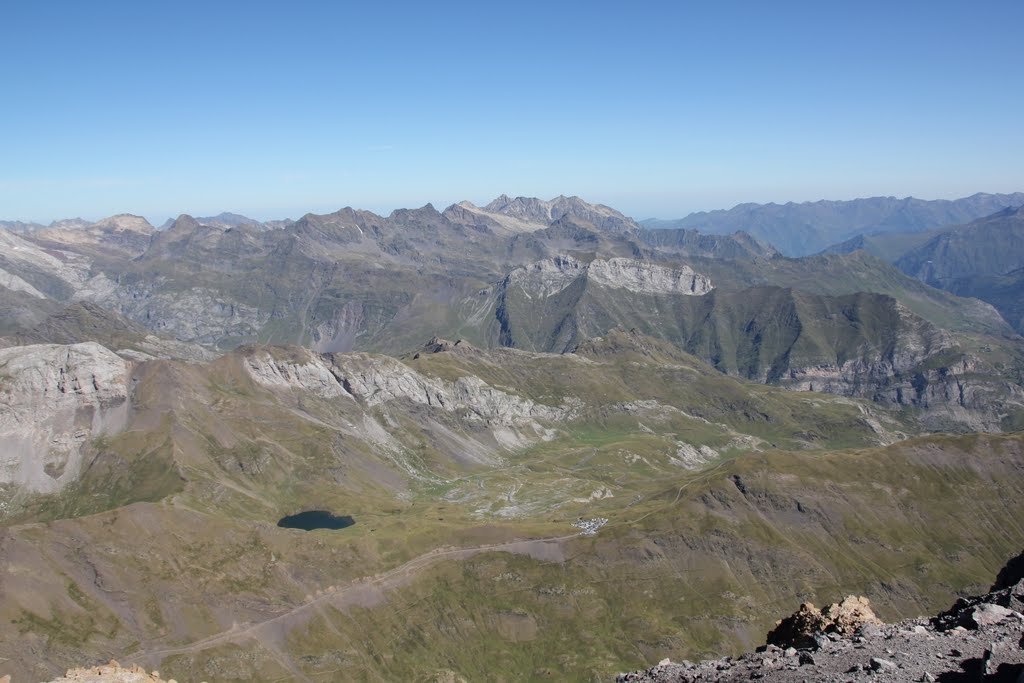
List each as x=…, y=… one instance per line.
x=658, y=110
x=158, y=219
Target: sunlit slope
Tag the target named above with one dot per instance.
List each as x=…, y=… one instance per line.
x=464, y=470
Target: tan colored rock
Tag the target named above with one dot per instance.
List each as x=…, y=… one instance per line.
x=799, y=629
x=107, y=673
x=847, y=616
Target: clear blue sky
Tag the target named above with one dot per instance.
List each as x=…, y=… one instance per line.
x=658, y=108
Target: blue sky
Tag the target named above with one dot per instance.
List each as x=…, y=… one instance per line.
x=658, y=108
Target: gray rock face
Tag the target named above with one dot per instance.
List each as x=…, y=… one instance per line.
x=370, y=384
x=385, y=379
x=522, y=272
x=18, y=255
x=307, y=373
x=542, y=212
x=959, y=392
x=197, y=315
x=548, y=277
x=53, y=401
x=647, y=278
x=955, y=394
x=378, y=380
x=990, y=615
x=16, y=284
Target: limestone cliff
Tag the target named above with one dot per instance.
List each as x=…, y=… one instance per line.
x=52, y=401
x=550, y=276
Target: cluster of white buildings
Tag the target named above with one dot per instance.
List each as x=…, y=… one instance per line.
x=589, y=527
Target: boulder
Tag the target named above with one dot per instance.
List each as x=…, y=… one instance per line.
x=849, y=615
x=1011, y=574
x=845, y=618
x=798, y=629
x=989, y=615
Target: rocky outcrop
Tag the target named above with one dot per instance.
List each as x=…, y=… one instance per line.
x=197, y=315
x=16, y=284
x=545, y=212
x=978, y=639
x=647, y=278
x=111, y=672
x=803, y=627
x=548, y=277
x=471, y=420
x=960, y=393
x=438, y=345
x=53, y=273
x=377, y=380
x=1011, y=574
x=693, y=457
x=300, y=371
x=1005, y=599
x=922, y=367
x=53, y=400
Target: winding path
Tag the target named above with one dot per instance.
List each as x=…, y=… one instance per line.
x=367, y=589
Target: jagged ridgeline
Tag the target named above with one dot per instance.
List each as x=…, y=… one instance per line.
x=526, y=273
x=805, y=228
x=619, y=444
x=983, y=259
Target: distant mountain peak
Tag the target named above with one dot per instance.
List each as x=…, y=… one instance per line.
x=497, y=203
x=1008, y=212
x=547, y=212
x=184, y=223
x=66, y=223
x=228, y=219
x=125, y=221
x=799, y=229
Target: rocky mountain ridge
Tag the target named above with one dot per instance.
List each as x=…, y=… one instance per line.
x=978, y=639
x=799, y=229
x=352, y=280
x=982, y=259
x=614, y=447
x=58, y=401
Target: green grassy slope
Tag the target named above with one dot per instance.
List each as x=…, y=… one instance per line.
x=705, y=573
x=728, y=503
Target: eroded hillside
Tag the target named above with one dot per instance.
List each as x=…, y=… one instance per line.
x=465, y=470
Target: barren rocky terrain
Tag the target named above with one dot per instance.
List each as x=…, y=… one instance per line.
x=978, y=639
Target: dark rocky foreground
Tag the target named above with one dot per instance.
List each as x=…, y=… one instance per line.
x=978, y=639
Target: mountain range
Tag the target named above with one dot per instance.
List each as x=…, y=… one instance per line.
x=808, y=227
x=527, y=273
x=982, y=259
x=565, y=444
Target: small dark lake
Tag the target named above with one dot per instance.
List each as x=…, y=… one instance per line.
x=315, y=519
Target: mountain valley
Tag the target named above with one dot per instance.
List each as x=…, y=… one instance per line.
x=569, y=445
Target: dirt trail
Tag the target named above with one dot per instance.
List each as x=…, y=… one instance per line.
x=369, y=591
x=363, y=591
